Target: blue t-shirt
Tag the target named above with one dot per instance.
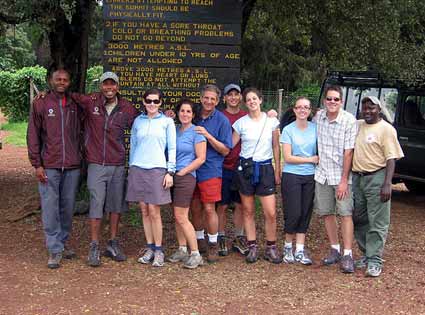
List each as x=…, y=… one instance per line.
x=219, y=127
x=186, y=141
x=303, y=143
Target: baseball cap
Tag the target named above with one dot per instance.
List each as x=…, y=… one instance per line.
x=230, y=87
x=109, y=75
x=372, y=99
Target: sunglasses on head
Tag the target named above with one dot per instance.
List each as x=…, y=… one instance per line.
x=150, y=101
x=335, y=99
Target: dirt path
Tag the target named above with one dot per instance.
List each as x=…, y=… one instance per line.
x=230, y=286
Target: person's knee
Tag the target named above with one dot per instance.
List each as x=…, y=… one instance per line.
x=181, y=219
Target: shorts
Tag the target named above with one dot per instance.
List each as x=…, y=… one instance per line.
x=146, y=185
x=182, y=190
x=229, y=189
x=106, y=185
x=209, y=190
x=265, y=187
x=326, y=203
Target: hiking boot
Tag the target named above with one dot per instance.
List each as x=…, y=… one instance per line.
x=347, y=264
x=158, y=259
x=212, y=256
x=303, y=257
x=373, y=270
x=271, y=254
x=333, y=257
x=222, y=246
x=114, y=251
x=179, y=255
x=193, y=261
x=54, y=260
x=146, y=256
x=252, y=256
x=68, y=253
x=93, y=258
x=288, y=256
x=202, y=246
x=239, y=245
x=361, y=263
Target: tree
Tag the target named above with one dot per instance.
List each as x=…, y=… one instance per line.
x=15, y=49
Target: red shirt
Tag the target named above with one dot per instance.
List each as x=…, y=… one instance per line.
x=231, y=160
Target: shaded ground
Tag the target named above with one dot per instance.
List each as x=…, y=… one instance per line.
x=230, y=286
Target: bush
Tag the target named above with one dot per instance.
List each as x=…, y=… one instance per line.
x=92, y=80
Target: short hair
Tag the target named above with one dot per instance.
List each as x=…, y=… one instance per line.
x=153, y=91
x=335, y=88
x=253, y=90
x=211, y=88
x=185, y=101
x=54, y=67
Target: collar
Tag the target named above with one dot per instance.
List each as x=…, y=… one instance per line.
x=338, y=118
x=210, y=116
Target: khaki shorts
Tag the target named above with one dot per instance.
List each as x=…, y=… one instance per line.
x=326, y=203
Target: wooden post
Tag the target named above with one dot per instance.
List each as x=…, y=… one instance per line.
x=31, y=92
x=280, y=93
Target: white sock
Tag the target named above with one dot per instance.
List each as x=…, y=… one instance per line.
x=337, y=247
x=183, y=248
x=299, y=248
x=200, y=235
x=212, y=238
x=348, y=252
x=195, y=253
x=288, y=244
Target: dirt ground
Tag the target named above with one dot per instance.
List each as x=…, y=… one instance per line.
x=230, y=286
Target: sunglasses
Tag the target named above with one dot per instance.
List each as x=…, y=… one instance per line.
x=335, y=99
x=150, y=101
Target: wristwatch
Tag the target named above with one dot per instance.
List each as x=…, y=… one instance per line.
x=171, y=173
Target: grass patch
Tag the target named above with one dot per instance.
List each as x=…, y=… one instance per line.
x=17, y=133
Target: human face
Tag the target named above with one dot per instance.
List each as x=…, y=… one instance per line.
x=333, y=102
x=149, y=102
x=253, y=102
x=209, y=101
x=185, y=114
x=302, y=109
x=109, y=89
x=60, y=81
x=233, y=99
x=370, y=112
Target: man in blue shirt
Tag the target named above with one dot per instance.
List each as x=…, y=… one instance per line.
x=215, y=127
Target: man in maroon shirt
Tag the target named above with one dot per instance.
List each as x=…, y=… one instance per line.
x=53, y=139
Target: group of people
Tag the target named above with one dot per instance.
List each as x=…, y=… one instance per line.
x=208, y=161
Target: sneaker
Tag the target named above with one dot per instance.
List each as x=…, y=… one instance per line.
x=239, y=245
x=68, y=253
x=202, y=246
x=93, y=259
x=303, y=258
x=212, y=256
x=158, y=259
x=347, y=264
x=288, y=256
x=333, y=257
x=222, y=246
x=114, y=251
x=54, y=260
x=361, y=263
x=193, y=262
x=146, y=257
x=179, y=255
x=373, y=270
x=271, y=254
x=252, y=256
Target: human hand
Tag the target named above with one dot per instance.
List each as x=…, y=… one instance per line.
x=170, y=113
x=168, y=181
x=272, y=113
x=41, y=175
x=385, y=192
x=342, y=190
x=41, y=94
x=202, y=131
x=315, y=159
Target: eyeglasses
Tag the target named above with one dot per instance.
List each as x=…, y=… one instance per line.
x=150, y=101
x=302, y=107
x=335, y=99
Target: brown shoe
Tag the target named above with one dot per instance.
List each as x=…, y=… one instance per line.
x=347, y=264
x=212, y=256
x=202, y=246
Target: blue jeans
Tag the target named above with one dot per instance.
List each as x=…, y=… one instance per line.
x=57, y=206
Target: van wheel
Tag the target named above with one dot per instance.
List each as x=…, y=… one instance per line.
x=415, y=187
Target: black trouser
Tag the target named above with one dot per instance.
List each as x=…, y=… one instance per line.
x=297, y=200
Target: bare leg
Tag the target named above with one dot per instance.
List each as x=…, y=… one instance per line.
x=113, y=224
x=186, y=228
x=269, y=208
x=331, y=229
x=347, y=231
x=248, y=207
x=156, y=223
x=222, y=219
x=196, y=211
x=147, y=225
x=212, y=218
x=300, y=238
x=238, y=217
x=95, y=229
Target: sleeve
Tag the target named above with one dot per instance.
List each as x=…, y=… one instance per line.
x=133, y=143
x=34, y=140
x=285, y=137
x=392, y=148
x=275, y=123
x=225, y=133
x=237, y=126
x=82, y=100
x=350, y=134
x=199, y=138
x=171, y=145
x=133, y=114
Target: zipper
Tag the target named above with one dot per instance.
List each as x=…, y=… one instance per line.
x=63, y=136
x=105, y=128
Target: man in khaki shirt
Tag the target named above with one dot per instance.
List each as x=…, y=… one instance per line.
x=375, y=152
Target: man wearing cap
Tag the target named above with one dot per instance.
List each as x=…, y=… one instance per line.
x=107, y=116
x=375, y=153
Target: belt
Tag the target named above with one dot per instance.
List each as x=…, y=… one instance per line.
x=368, y=173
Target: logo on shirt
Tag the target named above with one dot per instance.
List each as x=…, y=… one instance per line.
x=370, y=138
x=96, y=111
x=51, y=113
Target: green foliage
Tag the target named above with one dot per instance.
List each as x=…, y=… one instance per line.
x=14, y=91
x=15, y=49
x=92, y=81
x=18, y=133
x=133, y=217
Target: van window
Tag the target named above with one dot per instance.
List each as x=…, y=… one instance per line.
x=414, y=112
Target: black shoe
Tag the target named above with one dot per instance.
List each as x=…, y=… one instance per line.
x=93, y=258
x=114, y=251
x=333, y=257
x=347, y=264
x=239, y=245
x=222, y=246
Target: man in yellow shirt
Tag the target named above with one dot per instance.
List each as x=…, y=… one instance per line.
x=375, y=152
